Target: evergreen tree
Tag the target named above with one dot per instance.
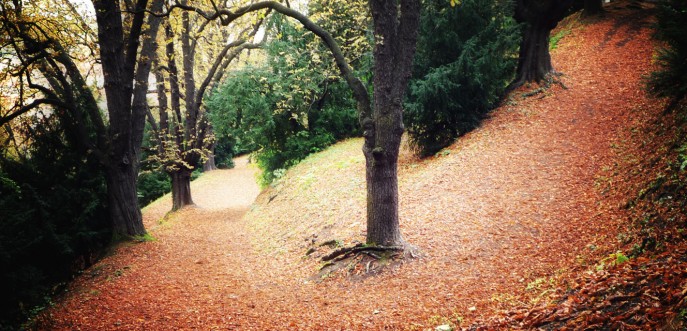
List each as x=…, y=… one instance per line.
x=53, y=214
x=465, y=59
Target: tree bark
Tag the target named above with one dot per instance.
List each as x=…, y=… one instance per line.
x=210, y=165
x=540, y=17
x=122, y=62
x=396, y=34
x=122, y=201
x=534, y=64
x=181, y=189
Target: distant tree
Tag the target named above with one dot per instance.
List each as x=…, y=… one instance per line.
x=185, y=138
x=294, y=103
x=539, y=17
x=670, y=80
x=463, y=64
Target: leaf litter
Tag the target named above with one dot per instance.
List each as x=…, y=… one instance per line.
x=507, y=220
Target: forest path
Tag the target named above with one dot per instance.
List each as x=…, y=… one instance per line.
x=509, y=211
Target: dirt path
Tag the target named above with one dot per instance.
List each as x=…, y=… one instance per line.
x=516, y=205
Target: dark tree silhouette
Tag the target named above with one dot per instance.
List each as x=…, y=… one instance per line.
x=540, y=17
x=125, y=57
x=592, y=7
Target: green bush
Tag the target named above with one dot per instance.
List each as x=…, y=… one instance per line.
x=466, y=56
x=224, y=154
x=54, y=220
x=151, y=185
x=284, y=110
x=671, y=78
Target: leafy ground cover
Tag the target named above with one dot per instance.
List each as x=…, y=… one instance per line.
x=518, y=224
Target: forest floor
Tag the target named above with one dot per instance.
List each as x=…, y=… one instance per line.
x=502, y=218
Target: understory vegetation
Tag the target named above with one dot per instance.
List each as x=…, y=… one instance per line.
x=466, y=57
x=294, y=103
x=288, y=101
x=54, y=216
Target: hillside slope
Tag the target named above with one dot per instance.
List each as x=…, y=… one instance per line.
x=504, y=217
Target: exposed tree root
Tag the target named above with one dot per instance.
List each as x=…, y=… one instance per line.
x=346, y=252
x=550, y=79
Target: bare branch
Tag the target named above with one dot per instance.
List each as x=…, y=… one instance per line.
x=33, y=105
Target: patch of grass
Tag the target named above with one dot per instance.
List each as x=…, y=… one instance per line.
x=553, y=41
x=144, y=238
x=505, y=298
x=118, y=273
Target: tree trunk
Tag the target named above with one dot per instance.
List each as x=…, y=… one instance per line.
x=181, y=189
x=540, y=17
x=382, y=197
x=383, y=129
x=396, y=25
x=122, y=199
x=210, y=165
x=592, y=7
x=534, y=63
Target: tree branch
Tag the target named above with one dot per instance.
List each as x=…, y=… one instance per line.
x=134, y=37
x=26, y=108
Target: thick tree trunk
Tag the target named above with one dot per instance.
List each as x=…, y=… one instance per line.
x=382, y=198
x=592, y=7
x=534, y=64
x=122, y=199
x=384, y=127
x=540, y=17
x=181, y=189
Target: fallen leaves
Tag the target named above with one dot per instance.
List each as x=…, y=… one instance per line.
x=523, y=198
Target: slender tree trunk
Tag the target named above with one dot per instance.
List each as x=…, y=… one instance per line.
x=181, y=189
x=123, y=200
x=210, y=165
x=535, y=60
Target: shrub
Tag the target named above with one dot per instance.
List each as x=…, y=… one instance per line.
x=466, y=57
x=151, y=185
x=671, y=78
x=54, y=220
x=286, y=109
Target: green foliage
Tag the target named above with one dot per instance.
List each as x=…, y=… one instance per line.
x=54, y=219
x=682, y=157
x=612, y=259
x=465, y=59
x=671, y=79
x=288, y=108
x=224, y=154
x=553, y=42
x=151, y=185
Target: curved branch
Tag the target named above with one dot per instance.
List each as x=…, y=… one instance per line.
x=26, y=108
x=227, y=16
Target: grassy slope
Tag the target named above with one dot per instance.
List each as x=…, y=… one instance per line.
x=323, y=199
